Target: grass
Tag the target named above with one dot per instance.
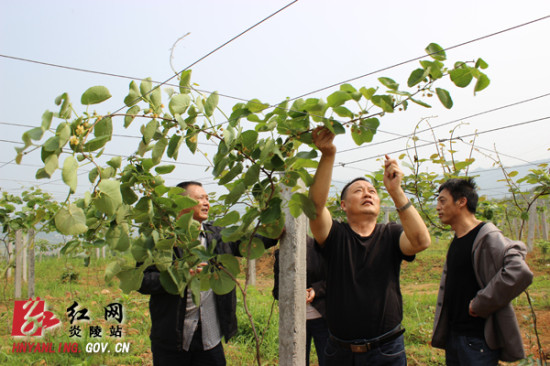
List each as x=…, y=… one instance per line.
x=62, y=281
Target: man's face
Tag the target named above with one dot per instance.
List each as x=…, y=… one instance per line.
x=361, y=198
x=200, y=211
x=447, y=209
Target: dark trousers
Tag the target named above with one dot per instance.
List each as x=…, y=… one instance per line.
x=318, y=330
x=196, y=356
x=391, y=353
x=469, y=351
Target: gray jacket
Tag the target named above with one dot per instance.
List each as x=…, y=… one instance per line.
x=502, y=274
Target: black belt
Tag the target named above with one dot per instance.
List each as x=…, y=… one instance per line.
x=365, y=345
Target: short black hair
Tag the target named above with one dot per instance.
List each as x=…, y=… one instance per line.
x=188, y=183
x=462, y=187
x=344, y=190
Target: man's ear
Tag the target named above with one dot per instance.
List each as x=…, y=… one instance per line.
x=462, y=201
x=343, y=205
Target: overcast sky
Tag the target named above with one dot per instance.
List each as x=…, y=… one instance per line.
x=308, y=46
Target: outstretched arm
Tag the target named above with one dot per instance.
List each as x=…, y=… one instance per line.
x=319, y=190
x=415, y=237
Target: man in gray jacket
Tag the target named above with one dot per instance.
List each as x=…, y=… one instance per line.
x=474, y=320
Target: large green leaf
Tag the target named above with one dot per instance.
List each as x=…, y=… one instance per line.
x=338, y=98
x=255, y=106
x=109, y=197
x=130, y=280
x=389, y=83
x=436, y=52
x=179, y=103
x=252, y=175
x=256, y=246
x=461, y=76
x=133, y=96
x=272, y=212
x=444, y=97
x=416, y=77
x=482, y=82
x=221, y=282
x=104, y=127
x=68, y=174
x=174, y=146
x=51, y=164
x=185, y=82
x=95, y=95
x=230, y=175
x=211, y=104
x=228, y=219
x=131, y=115
x=158, y=150
x=117, y=237
x=71, y=220
x=383, y=101
x=230, y=263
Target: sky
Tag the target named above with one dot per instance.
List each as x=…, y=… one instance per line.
x=305, y=48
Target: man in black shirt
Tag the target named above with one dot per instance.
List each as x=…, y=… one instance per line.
x=484, y=271
x=364, y=304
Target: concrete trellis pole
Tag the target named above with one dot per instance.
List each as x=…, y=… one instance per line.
x=544, y=223
x=18, y=263
x=30, y=251
x=292, y=290
x=532, y=223
x=251, y=273
x=10, y=256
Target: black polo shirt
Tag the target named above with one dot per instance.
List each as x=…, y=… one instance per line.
x=363, y=295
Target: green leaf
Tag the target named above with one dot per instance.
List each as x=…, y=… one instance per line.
x=145, y=88
x=95, y=95
x=419, y=102
x=230, y=263
x=221, y=283
x=131, y=115
x=252, y=175
x=174, y=146
x=444, y=97
x=104, y=127
x=156, y=98
x=461, y=76
x=383, y=101
x=70, y=166
x=235, y=193
x=165, y=244
x=185, y=82
x=158, y=150
x=133, y=96
x=165, y=169
x=482, y=82
x=168, y=282
x=229, y=176
x=46, y=120
x=481, y=64
x=96, y=144
x=71, y=220
x=117, y=237
x=128, y=195
x=211, y=104
x=249, y=138
x=115, y=162
x=257, y=248
x=367, y=93
x=343, y=111
x=338, y=98
x=416, y=77
x=109, y=197
x=256, y=106
x=307, y=205
x=228, y=219
x=389, y=83
x=35, y=133
x=179, y=103
x=130, y=280
x=51, y=164
x=149, y=130
x=436, y=52
x=272, y=212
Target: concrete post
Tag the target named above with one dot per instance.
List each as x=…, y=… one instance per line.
x=544, y=222
x=10, y=256
x=532, y=223
x=25, y=252
x=292, y=290
x=18, y=263
x=251, y=273
x=30, y=251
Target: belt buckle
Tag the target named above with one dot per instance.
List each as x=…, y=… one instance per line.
x=359, y=348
